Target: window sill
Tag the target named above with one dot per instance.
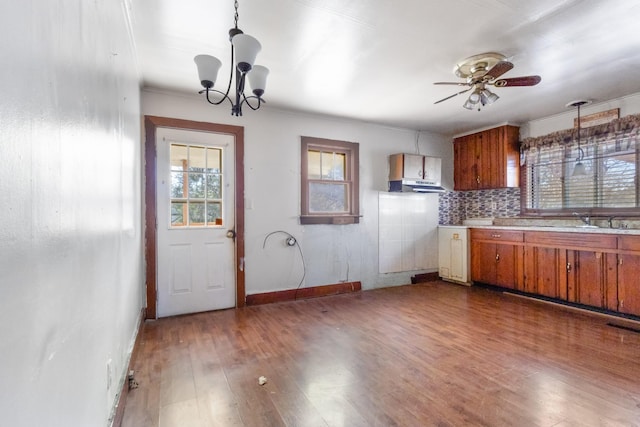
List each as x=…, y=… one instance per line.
x=329, y=219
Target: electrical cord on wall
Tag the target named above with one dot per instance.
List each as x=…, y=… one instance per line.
x=291, y=241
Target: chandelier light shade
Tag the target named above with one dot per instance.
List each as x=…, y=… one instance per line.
x=244, y=50
x=258, y=79
x=208, y=67
x=247, y=48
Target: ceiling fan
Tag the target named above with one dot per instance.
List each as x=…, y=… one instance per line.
x=483, y=70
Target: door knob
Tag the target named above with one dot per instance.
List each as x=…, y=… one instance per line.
x=231, y=234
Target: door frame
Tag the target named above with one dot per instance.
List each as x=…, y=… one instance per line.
x=151, y=123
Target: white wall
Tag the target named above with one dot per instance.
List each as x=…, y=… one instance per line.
x=333, y=253
x=628, y=105
x=71, y=276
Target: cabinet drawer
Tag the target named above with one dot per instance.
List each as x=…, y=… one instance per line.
x=497, y=234
x=572, y=240
x=629, y=243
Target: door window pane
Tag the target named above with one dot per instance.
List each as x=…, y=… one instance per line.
x=214, y=213
x=178, y=214
x=178, y=157
x=214, y=187
x=196, y=213
x=195, y=186
x=178, y=190
x=214, y=160
x=197, y=159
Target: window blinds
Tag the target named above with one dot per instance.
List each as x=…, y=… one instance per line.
x=610, y=179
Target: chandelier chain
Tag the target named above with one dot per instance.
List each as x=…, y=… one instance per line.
x=235, y=5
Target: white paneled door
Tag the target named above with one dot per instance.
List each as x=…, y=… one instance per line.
x=195, y=209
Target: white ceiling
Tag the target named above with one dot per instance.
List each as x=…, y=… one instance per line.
x=376, y=60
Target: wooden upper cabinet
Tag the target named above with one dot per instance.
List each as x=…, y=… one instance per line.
x=487, y=159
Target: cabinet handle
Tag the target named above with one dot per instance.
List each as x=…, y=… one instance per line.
x=478, y=179
x=568, y=267
x=497, y=257
x=497, y=236
x=621, y=304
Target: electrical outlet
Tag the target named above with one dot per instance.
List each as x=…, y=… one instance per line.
x=494, y=206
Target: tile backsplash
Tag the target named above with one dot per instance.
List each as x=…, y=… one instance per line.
x=456, y=206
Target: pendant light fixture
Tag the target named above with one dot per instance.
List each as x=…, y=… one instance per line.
x=579, y=169
x=244, y=50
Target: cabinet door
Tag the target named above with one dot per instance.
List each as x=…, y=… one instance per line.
x=629, y=284
x=586, y=278
x=492, y=172
x=465, y=177
x=546, y=272
x=413, y=166
x=509, y=266
x=483, y=262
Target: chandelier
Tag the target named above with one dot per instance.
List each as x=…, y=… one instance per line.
x=244, y=50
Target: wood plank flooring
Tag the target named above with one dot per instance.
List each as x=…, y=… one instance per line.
x=433, y=354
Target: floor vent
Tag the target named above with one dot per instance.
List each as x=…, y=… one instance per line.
x=626, y=328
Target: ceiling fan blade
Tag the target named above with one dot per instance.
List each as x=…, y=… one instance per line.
x=518, y=81
x=499, y=69
x=452, y=83
x=451, y=96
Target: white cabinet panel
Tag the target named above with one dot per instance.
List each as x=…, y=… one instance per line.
x=407, y=232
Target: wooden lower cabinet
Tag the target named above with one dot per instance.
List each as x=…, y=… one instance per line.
x=497, y=264
x=629, y=284
x=545, y=271
x=589, y=276
x=597, y=270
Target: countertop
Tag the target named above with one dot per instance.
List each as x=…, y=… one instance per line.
x=550, y=228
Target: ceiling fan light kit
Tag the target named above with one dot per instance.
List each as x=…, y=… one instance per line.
x=244, y=50
x=480, y=71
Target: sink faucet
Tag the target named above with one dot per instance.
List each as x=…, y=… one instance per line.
x=583, y=218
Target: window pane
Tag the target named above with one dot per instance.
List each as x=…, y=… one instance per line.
x=214, y=213
x=178, y=157
x=178, y=210
x=214, y=188
x=214, y=160
x=196, y=186
x=337, y=172
x=313, y=164
x=580, y=189
x=327, y=165
x=178, y=190
x=618, y=173
x=545, y=174
x=325, y=197
x=197, y=160
x=196, y=213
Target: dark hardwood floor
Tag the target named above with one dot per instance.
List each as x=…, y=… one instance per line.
x=433, y=354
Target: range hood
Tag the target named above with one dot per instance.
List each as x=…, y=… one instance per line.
x=415, y=173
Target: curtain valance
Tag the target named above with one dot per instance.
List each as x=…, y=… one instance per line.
x=625, y=127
